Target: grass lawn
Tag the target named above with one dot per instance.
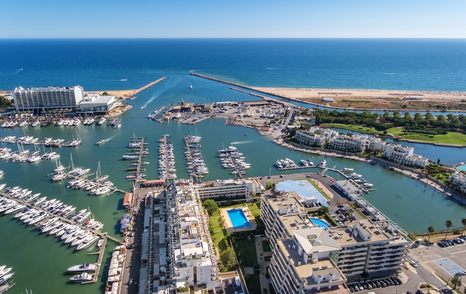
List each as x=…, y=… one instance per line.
x=453, y=138
x=218, y=233
x=356, y=128
x=255, y=210
x=266, y=246
x=319, y=189
x=246, y=253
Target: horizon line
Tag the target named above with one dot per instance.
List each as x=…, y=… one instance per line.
x=235, y=38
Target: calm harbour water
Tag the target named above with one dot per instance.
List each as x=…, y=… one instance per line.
x=39, y=261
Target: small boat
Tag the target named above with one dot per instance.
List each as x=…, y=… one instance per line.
x=81, y=278
x=323, y=164
x=102, y=141
x=84, y=267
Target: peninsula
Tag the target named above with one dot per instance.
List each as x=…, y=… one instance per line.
x=363, y=99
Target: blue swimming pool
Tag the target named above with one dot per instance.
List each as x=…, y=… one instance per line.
x=319, y=222
x=461, y=167
x=238, y=218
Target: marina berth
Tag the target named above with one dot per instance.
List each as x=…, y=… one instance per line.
x=79, y=179
x=233, y=160
x=195, y=164
x=166, y=159
x=51, y=217
x=137, y=152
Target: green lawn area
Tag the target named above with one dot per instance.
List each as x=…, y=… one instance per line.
x=454, y=138
x=255, y=210
x=246, y=253
x=356, y=128
x=319, y=189
x=218, y=233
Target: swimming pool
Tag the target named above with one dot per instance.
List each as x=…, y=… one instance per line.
x=319, y=222
x=461, y=167
x=238, y=218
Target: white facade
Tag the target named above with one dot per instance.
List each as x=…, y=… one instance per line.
x=98, y=103
x=307, y=258
x=349, y=143
x=194, y=262
x=404, y=155
x=46, y=98
x=458, y=181
x=229, y=189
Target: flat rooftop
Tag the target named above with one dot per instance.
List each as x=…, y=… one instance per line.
x=304, y=189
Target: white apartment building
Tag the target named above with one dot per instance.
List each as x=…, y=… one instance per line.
x=458, y=181
x=375, y=144
x=349, y=143
x=315, y=136
x=307, y=258
x=303, y=263
x=193, y=259
x=369, y=249
x=229, y=190
x=404, y=155
x=47, y=98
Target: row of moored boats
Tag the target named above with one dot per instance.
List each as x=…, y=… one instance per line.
x=47, y=142
x=195, y=163
x=50, y=216
x=166, y=160
x=233, y=160
x=6, y=273
x=136, y=154
x=80, y=179
x=61, y=122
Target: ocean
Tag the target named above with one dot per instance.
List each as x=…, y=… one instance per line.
x=333, y=63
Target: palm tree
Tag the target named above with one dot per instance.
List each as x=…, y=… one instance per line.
x=463, y=221
x=431, y=230
x=456, y=282
x=448, y=224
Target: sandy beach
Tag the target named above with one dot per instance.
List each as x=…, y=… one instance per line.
x=374, y=98
x=125, y=94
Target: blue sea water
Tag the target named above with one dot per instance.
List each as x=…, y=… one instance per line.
x=339, y=63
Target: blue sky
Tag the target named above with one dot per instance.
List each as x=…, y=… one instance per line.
x=234, y=18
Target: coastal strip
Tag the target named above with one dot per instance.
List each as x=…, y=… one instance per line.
x=434, y=101
x=125, y=94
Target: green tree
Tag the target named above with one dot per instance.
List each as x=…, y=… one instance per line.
x=448, y=224
x=463, y=221
x=211, y=206
x=431, y=230
x=228, y=259
x=456, y=281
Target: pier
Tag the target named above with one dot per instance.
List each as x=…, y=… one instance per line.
x=66, y=219
x=136, y=157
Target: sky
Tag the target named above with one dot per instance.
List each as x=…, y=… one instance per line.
x=233, y=19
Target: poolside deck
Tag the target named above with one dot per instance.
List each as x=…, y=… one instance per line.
x=235, y=229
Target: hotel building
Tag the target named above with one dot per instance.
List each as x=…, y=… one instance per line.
x=307, y=258
x=47, y=98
